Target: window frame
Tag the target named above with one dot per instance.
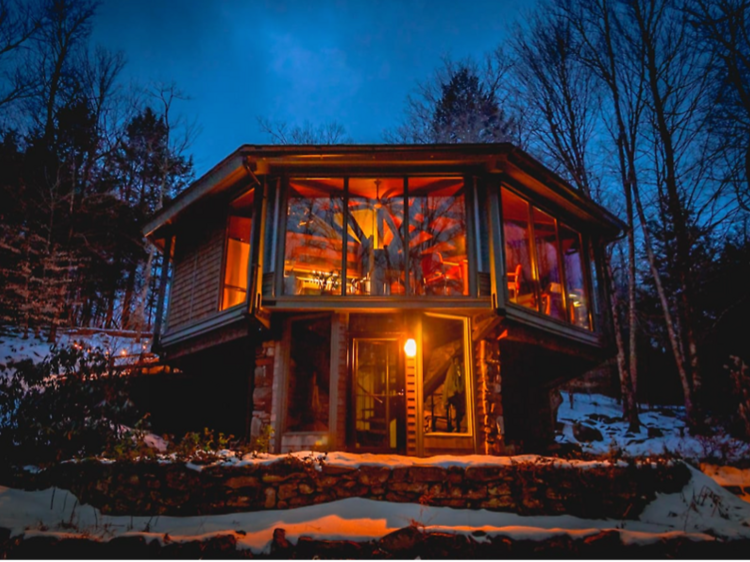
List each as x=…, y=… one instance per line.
x=225, y=254
x=470, y=388
x=558, y=217
x=471, y=241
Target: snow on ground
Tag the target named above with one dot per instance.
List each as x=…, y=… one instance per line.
x=355, y=460
x=700, y=511
x=14, y=348
x=669, y=434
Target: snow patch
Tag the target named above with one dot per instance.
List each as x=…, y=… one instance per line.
x=669, y=432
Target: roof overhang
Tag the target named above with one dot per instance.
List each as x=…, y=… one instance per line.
x=249, y=162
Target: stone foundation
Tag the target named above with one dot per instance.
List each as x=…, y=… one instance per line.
x=262, y=388
x=540, y=486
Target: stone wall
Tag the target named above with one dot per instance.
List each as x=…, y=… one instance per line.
x=529, y=487
x=262, y=388
x=489, y=396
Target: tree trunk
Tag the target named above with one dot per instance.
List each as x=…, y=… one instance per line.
x=127, y=300
x=678, y=214
x=668, y=321
x=629, y=410
x=632, y=321
x=140, y=315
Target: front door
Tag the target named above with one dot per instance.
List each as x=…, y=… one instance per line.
x=378, y=395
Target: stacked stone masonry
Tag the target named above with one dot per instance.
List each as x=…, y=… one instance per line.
x=524, y=487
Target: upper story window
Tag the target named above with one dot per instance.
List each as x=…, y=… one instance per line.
x=544, y=262
x=376, y=236
x=437, y=236
x=314, y=237
x=237, y=254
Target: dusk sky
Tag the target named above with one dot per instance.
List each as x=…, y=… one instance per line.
x=349, y=61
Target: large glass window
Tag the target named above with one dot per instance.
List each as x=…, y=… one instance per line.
x=370, y=234
x=538, y=283
x=375, y=237
x=548, y=265
x=444, y=374
x=520, y=279
x=314, y=234
x=572, y=251
x=237, y=255
x=308, y=387
x=437, y=237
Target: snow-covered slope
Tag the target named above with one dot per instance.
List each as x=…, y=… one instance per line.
x=14, y=348
x=663, y=431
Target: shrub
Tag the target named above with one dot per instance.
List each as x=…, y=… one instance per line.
x=201, y=447
x=70, y=405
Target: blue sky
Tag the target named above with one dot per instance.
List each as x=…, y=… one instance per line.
x=349, y=61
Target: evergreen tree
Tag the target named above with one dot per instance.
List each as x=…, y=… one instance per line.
x=461, y=103
x=467, y=111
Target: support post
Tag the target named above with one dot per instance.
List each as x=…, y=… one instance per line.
x=162, y=292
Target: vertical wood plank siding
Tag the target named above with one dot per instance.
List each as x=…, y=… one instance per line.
x=411, y=407
x=197, y=275
x=482, y=394
x=342, y=388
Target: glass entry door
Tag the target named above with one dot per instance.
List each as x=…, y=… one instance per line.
x=379, y=394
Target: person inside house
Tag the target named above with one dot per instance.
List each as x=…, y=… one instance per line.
x=454, y=398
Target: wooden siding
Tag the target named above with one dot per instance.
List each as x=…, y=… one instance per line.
x=197, y=275
x=339, y=382
x=411, y=407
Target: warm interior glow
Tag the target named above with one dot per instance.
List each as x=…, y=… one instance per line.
x=410, y=348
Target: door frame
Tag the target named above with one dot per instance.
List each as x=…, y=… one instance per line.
x=440, y=442
x=401, y=377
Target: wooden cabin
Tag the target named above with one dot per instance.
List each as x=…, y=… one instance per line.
x=417, y=299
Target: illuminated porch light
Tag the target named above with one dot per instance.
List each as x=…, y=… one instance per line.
x=410, y=348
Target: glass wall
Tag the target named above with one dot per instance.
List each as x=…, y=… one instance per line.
x=237, y=251
x=520, y=279
x=308, y=386
x=444, y=375
x=375, y=237
x=548, y=264
x=551, y=279
x=575, y=280
x=438, y=259
x=314, y=237
x=349, y=237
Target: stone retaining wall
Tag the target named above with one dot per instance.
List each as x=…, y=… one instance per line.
x=544, y=486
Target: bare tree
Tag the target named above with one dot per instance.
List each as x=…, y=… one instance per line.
x=723, y=28
x=179, y=135
x=62, y=38
x=655, y=76
x=280, y=132
x=560, y=76
x=562, y=93
x=19, y=22
x=677, y=83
